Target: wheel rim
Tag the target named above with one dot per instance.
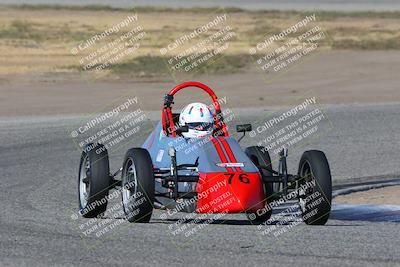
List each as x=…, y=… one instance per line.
x=84, y=185
x=129, y=188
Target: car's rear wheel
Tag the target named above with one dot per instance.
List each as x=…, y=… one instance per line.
x=138, y=185
x=93, y=180
x=260, y=156
x=314, y=187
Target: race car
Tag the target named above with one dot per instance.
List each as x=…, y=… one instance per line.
x=213, y=174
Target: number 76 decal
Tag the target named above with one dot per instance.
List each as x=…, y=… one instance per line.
x=243, y=177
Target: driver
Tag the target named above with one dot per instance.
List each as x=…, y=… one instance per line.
x=199, y=118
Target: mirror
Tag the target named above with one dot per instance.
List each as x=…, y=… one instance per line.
x=243, y=128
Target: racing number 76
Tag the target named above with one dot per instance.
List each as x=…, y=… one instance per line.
x=241, y=176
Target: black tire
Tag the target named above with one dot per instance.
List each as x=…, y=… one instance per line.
x=93, y=180
x=138, y=185
x=315, y=196
x=189, y=208
x=260, y=156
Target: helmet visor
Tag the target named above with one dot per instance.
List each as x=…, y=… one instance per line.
x=200, y=126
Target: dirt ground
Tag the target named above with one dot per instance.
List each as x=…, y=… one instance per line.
x=34, y=39
x=388, y=195
x=336, y=77
x=37, y=78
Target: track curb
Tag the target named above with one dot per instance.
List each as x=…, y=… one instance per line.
x=353, y=189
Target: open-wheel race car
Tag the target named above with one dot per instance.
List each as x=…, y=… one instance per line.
x=169, y=169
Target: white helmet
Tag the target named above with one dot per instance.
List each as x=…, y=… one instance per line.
x=199, y=118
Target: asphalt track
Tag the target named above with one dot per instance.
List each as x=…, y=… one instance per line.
x=38, y=167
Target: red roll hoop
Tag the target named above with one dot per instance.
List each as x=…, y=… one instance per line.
x=167, y=114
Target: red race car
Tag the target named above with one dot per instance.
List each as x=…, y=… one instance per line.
x=213, y=173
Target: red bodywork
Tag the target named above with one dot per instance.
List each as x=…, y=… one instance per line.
x=232, y=191
x=217, y=194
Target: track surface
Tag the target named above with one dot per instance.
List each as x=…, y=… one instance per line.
x=38, y=165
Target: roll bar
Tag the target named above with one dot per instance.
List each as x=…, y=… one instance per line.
x=167, y=121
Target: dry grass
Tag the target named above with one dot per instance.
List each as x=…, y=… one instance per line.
x=39, y=39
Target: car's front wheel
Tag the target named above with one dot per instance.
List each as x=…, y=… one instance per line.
x=93, y=180
x=138, y=185
x=314, y=187
x=260, y=156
